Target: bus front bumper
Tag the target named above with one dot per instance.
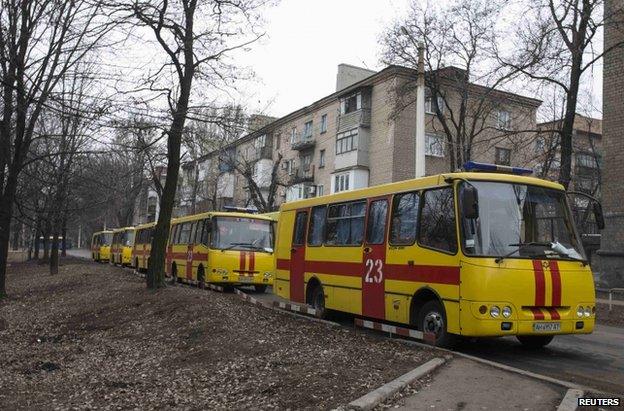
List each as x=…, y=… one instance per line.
x=240, y=279
x=502, y=327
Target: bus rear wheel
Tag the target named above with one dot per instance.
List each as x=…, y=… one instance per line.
x=318, y=301
x=201, y=281
x=534, y=341
x=432, y=319
x=260, y=288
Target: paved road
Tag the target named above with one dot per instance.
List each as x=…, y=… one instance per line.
x=79, y=252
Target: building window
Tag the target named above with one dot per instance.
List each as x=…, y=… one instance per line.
x=434, y=145
x=341, y=182
x=290, y=167
x=261, y=141
x=322, y=159
x=430, y=106
x=293, y=135
x=323, y=123
x=586, y=160
x=503, y=156
x=307, y=129
x=306, y=160
x=346, y=142
x=503, y=120
x=351, y=104
x=320, y=190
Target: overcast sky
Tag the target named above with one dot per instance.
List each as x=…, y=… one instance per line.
x=296, y=62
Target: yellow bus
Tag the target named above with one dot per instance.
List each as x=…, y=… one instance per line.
x=226, y=248
x=101, y=245
x=479, y=254
x=122, y=245
x=142, y=246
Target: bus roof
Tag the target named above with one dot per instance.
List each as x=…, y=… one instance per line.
x=118, y=230
x=437, y=180
x=144, y=226
x=103, y=232
x=211, y=214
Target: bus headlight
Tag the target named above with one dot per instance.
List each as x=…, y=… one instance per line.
x=506, y=311
x=268, y=274
x=495, y=311
x=587, y=311
x=580, y=311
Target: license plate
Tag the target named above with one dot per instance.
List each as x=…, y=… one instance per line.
x=244, y=279
x=546, y=327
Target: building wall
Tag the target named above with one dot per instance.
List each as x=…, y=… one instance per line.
x=611, y=253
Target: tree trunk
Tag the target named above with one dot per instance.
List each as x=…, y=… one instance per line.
x=17, y=227
x=64, y=240
x=54, y=254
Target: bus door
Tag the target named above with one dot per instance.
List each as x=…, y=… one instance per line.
x=297, y=257
x=374, y=258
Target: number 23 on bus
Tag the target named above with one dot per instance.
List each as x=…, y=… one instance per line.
x=468, y=253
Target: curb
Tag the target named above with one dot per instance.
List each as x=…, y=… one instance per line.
x=427, y=337
x=375, y=397
x=295, y=307
x=570, y=400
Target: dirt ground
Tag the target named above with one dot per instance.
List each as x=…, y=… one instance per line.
x=614, y=318
x=94, y=337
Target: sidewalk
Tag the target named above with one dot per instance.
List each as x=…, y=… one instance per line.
x=464, y=384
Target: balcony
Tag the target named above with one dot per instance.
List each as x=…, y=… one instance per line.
x=302, y=174
x=303, y=142
x=354, y=119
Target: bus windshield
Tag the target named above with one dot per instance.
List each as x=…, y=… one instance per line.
x=106, y=238
x=128, y=239
x=518, y=220
x=237, y=233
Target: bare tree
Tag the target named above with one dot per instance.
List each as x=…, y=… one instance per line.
x=196, y=37
x=460, y=81
x=555, y=43
x=39, y=42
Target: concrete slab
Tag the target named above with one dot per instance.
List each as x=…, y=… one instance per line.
x=467, y=385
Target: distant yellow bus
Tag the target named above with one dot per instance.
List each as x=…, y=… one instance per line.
x=142, y=246
x=224, y=248
x=101, y=245
x=122, y=245
x=460, y=254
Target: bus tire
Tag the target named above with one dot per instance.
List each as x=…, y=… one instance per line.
x=432, y=318
x=174, y=274
x=201, y=278
x=318, y=301
x=534, y=342
x=136, y=264
x=260, y=288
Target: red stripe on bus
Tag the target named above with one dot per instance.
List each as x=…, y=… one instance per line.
x=423, y=273
x=554, y=314
x=537, y=313
x=252, y=261
x=540, y=283
x=556, y=283
x=241, y=261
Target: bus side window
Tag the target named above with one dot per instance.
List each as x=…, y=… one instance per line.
x=437, y=220
x=376, y=225
x=193, y=232
x=316, y=230
x=345, y=223
x=205, y=234
x=300, y=225
x=404, y=219
x=185, y=231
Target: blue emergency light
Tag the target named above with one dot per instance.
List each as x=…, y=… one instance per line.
x=495, y=168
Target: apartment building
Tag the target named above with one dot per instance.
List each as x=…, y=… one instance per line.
x=356, y=137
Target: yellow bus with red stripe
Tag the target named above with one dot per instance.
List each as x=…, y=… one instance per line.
x=101, y=245
x=461, y=254
x=122, y=245
x=142, y=246
x=225, y=248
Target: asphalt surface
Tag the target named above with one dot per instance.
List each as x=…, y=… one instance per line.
x=595, y=360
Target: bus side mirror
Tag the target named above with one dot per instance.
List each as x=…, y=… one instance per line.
x=598, y=215
x=470, y=201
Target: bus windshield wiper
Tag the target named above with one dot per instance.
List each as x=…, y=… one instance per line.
x=520, y=246
x=232, y=245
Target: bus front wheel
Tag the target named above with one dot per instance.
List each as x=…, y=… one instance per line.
x=432, y=319
x=260, y=288
x=534, y=341
x=201, y=282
